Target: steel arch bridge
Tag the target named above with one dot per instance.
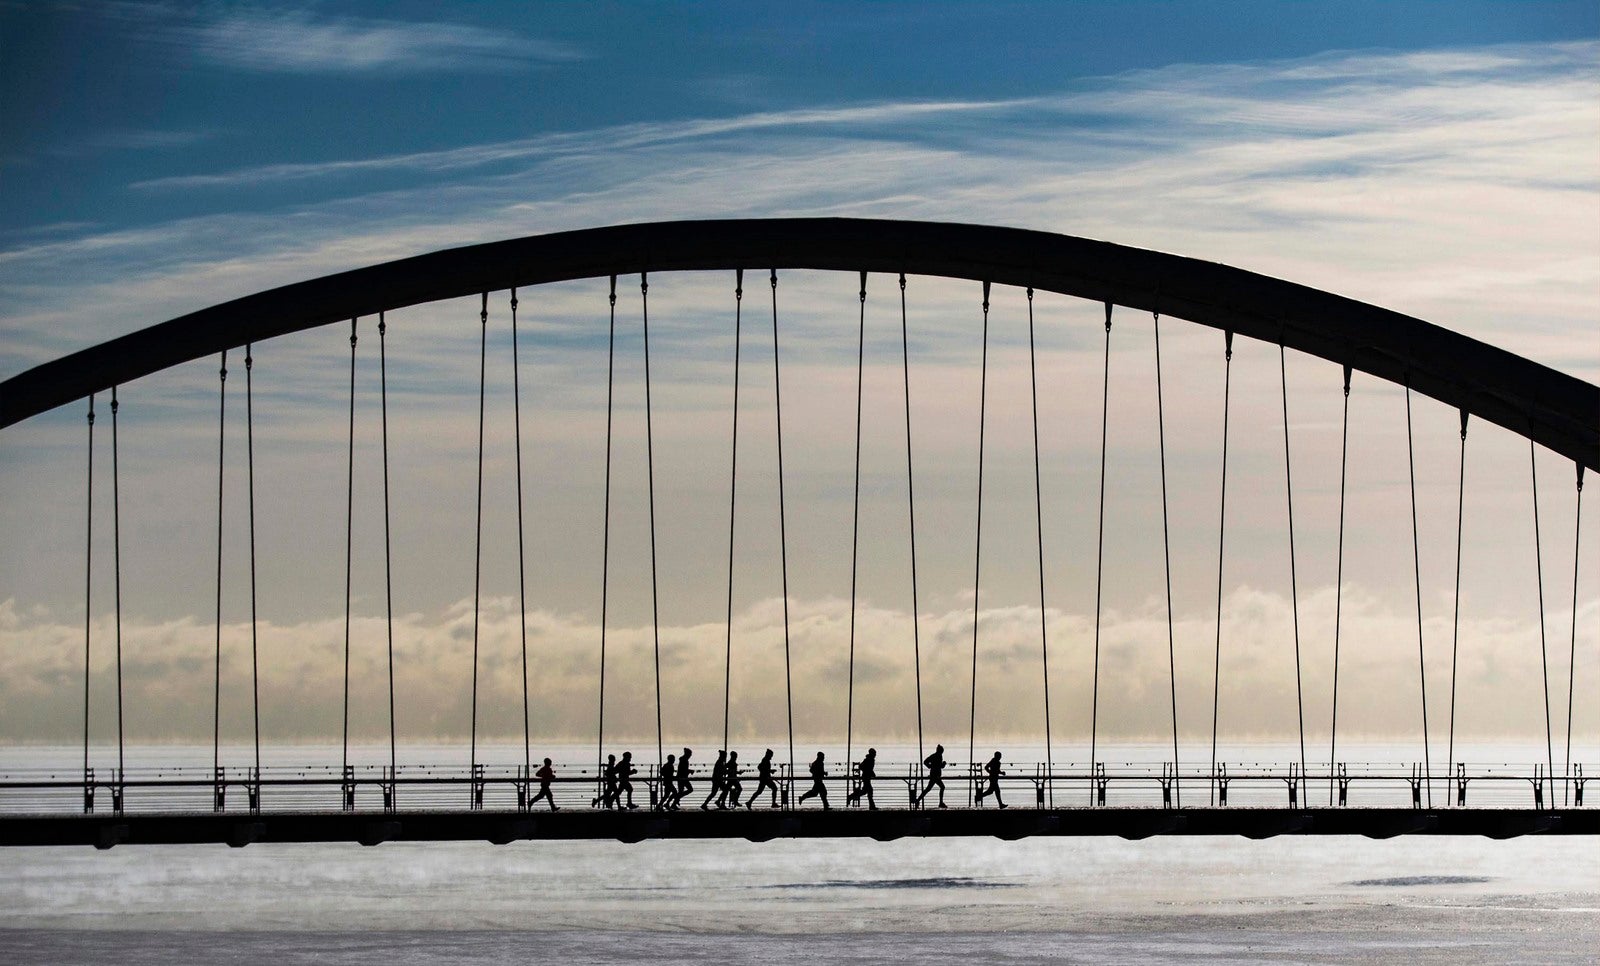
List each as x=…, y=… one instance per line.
x=1552, y=410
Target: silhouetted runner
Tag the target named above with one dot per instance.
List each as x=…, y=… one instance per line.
x=719, y=773
x=992, y=769
x=608, y=785
x=545, y=775
x=684, y=786
x=625, y=771
x=731, y=786
x=818, y=789
x=935, y=765
x=764, y=773
x=668, y=782
x=866, y=771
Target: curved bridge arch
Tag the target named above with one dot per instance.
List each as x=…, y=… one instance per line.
x=1551, y=408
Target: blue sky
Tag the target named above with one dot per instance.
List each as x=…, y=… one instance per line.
x=102, y=96
x=1434, y=158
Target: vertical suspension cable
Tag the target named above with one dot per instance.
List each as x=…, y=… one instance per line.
x=88, y=587
x=911, y=514
x=349, y=545
x=1338, y=585
x=1222, y=533
x=650, y=470
x=216, y=691
x=977, y=542
x=116, y=573
x=1166, y=552
x=1100, y=551
x=1455, y=621
x=1416, y=560
x=388, y=556
x=1544, y=662
x=783, y=538
x=855, y=532
x=250, y=501
x=522, y=565
x=733, y=498
x=1038, y=520
x=1572, y=656
x=1294, y=587
x=477, y=552
x=605, y=545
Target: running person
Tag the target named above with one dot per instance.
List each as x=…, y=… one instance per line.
x=719, y=773
x=625, y=771
x=608, y=785
x=866, y=771
x=669, y=783
x=684, y=786
x=731, y=786
x=992, y=769
x=935, y=765
x=545, y=775
x=818, y=789
x=764, y=773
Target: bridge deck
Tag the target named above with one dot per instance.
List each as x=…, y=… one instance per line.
x=373, y=827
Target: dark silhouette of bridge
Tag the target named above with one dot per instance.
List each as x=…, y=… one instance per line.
x=494, y=801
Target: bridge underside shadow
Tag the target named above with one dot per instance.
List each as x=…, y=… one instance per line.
x=372, y=828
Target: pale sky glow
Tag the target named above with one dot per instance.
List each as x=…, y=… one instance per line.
x=1447, y=172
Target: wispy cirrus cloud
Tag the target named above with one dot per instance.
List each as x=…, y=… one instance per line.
x=612, y=139
x=298, y=42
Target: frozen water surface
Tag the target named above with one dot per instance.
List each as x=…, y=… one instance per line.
x=1042, y=900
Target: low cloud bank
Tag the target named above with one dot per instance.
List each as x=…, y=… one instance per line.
x=168, y=674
